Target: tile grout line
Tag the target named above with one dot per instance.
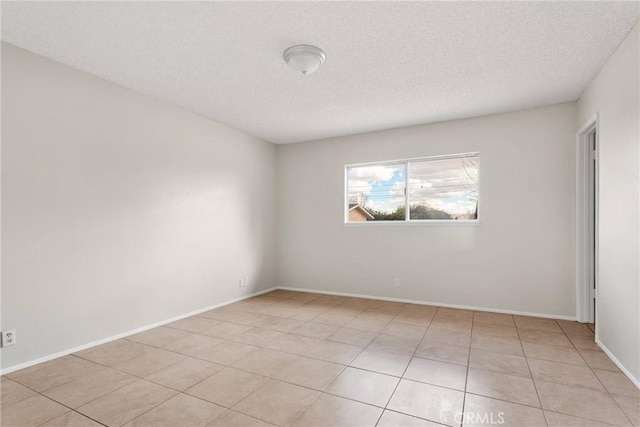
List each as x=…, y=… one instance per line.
x=594, y=374
x=544, y=416
x=400, y=378
x=178, y=392
x=466, y=377
x=69, y=382
x=344, y=369
x=320, y=391
x=53, y=400
x=170, y=388
x=19, y=400
x=116, y=369
x=533, y=379
x=386, y=406
x=193, y=385
x=304, y=322
x=586, y=364
x=74, y=411
x=125, y=385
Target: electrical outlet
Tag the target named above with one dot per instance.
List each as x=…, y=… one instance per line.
x=246, y=281
x=241, y=283
x=396, y=283
x=8, y=338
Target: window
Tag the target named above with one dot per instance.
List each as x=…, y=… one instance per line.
x=434, y=189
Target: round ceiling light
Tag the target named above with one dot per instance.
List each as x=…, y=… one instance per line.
x=304, y=58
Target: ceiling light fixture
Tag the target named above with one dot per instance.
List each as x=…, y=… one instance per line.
x=304, y=58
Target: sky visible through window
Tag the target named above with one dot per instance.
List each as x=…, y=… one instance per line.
x=444, y=188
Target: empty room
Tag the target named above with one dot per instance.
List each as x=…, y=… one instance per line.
x=300, y=213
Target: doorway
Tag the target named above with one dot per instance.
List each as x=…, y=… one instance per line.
x=587, y=223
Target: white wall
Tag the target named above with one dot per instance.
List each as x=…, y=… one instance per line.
x=119, y=210
x=521, y=257
x=615, y=95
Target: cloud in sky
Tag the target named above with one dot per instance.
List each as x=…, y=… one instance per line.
x=389, y=195
x=377, y=185
x=445, y=184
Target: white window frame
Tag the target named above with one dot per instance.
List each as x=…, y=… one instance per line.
x=407, y=220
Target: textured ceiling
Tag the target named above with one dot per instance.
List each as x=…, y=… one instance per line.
x=389, y=64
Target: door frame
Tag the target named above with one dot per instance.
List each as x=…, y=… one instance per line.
x=586, y=239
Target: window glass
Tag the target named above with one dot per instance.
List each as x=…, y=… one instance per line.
x=444, y=188
x=439, y=188
x=376, y=192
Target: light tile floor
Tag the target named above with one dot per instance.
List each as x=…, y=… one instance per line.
x=287, y=358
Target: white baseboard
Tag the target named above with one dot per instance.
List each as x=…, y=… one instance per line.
x=17, y=367
x=615, y=360
x=126, y=334
x=619, y=364
x=202, y=310
x=437, y=304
